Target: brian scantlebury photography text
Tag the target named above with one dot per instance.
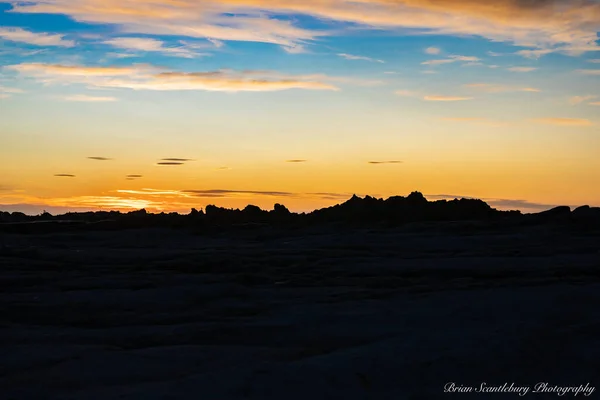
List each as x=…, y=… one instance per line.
x=521, y=390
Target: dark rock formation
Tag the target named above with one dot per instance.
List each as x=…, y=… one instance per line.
x=397, y=210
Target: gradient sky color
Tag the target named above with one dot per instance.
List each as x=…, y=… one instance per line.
x=173, y=104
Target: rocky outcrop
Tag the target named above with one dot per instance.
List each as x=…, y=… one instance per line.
x=357, y=210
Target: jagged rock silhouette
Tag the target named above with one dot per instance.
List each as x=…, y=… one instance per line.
x=369, y=210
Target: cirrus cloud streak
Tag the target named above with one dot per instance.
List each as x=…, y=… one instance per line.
x=143, y=77
x=563, y=121
x=150, y=45
x=38, y=39
x=446, y=98
x=569, y=26
x=90, y=99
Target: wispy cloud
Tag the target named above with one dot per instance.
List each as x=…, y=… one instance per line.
x=38, y=39
x=438, y=62
x=465, y=58
x=498, y=88
x=580, y=99
x=70, y=71
x=210, y=20
x=589, y=71
x=230, y=193
x=446, y=98
x=21, y=52
x=151, y=45
x=522, y=69
x=433, y=51
x=155, y=192
x=363, y=58
x=108, y=202
x=296, y=161
x=473, y=64
x=100, y=158
x=120, y=55
x=144, y=77
x=10, y=90
x=173, y=161
x=385, y=162
x=503, y=204
x=223, y=193
x=571, y=28
x=563, y=121
x=191, y=195
x=430, y=97
x=295, y=49
x=516, y=204
x=6, y=92
x=217, y=43
x=535, y=54
x=90, y=99
x=64, y=175
x=596, y=103
x=452, y=59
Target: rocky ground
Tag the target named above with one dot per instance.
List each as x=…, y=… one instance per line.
x=311, y=313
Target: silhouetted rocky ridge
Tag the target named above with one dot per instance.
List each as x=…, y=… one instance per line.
x=394, y=211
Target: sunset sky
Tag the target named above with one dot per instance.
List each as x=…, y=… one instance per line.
x=173, y=104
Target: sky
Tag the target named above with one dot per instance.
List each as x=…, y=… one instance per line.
x=173, y=104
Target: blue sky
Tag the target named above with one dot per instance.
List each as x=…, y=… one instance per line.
x=503, y=97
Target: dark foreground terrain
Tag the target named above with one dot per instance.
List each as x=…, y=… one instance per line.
x=323, y=312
